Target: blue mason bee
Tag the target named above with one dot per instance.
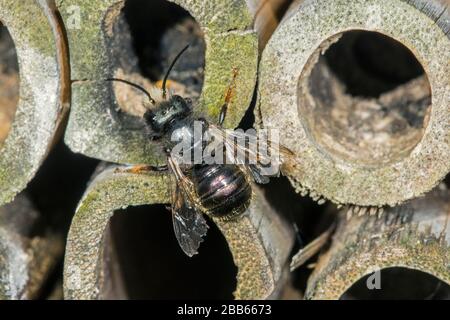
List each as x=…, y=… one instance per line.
x=219, y=189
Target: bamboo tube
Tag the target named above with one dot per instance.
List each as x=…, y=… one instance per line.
x=415, y=236
x=99, y=124
x=259, y=242
x=38, y=108
x=361, y=138
x=267, y=15
x=28, y=251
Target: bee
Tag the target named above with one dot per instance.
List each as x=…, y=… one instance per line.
x=219, y=190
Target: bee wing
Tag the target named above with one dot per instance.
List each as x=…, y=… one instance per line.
x=257, y=163
x=257, y=175
x=188, y=223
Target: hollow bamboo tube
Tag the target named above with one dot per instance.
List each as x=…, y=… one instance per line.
x=415, y=235
x=28, y=251
x=42, y=98
x=94, y=127
x=375, y=152
x=259, y=242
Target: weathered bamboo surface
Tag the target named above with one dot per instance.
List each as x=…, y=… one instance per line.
x=259, y=242
x=360, y=139
x=29, y=250
x=35, y=90
x=415, y=235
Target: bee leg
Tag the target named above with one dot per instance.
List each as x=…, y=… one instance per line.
x=141, y=168
x=228, y=97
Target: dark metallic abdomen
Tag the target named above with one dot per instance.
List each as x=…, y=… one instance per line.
x=222, y=189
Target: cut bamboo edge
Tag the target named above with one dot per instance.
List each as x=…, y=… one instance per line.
x=415, y=235
x=260, y=241
x=43, y=94
x=93, y=127
x=328, y=165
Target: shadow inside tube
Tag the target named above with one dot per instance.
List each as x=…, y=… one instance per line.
x=310, y=218
x=159, y=30
x=144, y=39
x=151, y=264
x=370, y=63
x=367, y=99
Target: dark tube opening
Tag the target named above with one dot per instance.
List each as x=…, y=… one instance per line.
x=146, y=262
x=146, y=37
x=366, y=99
x=311, y=219
x=370, y=63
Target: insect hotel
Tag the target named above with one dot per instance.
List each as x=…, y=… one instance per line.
x=347, y=100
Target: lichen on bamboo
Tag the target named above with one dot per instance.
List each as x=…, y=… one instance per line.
x=260, y=241
x=33, y=121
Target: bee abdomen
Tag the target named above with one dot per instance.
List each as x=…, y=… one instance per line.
x=223, y=189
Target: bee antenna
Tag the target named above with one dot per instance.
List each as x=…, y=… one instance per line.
x=170, y=69
x=134, y=85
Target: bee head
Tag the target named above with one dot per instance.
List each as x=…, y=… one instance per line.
x=167, y=113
